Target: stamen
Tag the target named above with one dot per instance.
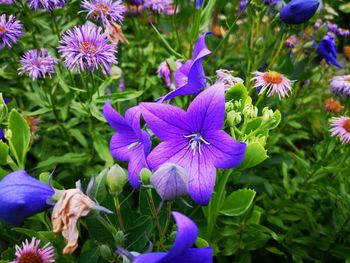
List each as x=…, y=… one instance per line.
x=196, y=142
x=133, y=145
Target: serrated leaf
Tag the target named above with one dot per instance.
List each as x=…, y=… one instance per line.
x=238, y=202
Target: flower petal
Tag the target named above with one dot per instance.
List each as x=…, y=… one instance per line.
x=165, y=121
x=207, y=110
x=132, y=117
x=136, y=163
x=115, y=119
x=120, y=145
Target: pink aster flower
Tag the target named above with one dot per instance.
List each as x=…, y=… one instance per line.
x=159, y=6
x=273, y=82
x=340, y=127
x=47, y=5
x=106, y=11
x=340, y=85
x=10, y=31
x=30, y=252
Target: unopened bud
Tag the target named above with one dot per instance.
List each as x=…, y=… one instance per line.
x=233, y=118
x=116, y=72
x=267, y=114
x=229, y=106
x=250, y=111
x=116, y=179
x=105, y=251
x=119, y=237
x=145, y=175
x=238, y=104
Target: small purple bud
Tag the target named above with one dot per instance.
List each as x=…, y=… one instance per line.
x=122, y=85
x=170, y=181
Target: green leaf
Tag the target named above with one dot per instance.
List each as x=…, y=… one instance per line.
x=4, y=150
x=100, y=190
x=102, y=148
x=201, y=243
x=254, y=155
x=237, y=92
x=238, y=202
x=19, y=138
x=345, y=8
x=74, y=158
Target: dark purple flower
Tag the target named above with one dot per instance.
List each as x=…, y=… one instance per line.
x=10, y=31
x=106, y=11
x=37, y=64
x=86, y=48
x=194, y=140
x=6, y=100
x=182, y=250
x=47, y=5
x=327, y=49
x=242, y=5
x=136, y=2
x=158, y=6
x=199, y=4
x=130, y=143
x=270, y=2
x=22, y=196
x=299, y=11
x=190, y=77
x=2, y=135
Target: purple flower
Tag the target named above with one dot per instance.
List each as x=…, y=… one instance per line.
x=130, y=143
x=122, y=85
x=136, y=2
x=164, y=72
x=158, y=6
x=31, y=252
x=47, y=5
x=106, y=11
x=37, y=64
x=2, y=135
x=242, y=5
x=86, y=48
x=327, y=49
x=342, y=32
x=22, y=196
x=299, y=11
x=190, y=77
x=182, y=250
x=199, y=4
x=6, y=100
x=194, y=140
x=270, y=2
x=10, y=31
x=340, y=127
x=6, y=2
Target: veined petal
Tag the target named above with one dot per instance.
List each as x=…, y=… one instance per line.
x=136, y=163
x=181, y=75
x=200, y=48
x=132, y=117
x=207, y=110
x=115, y=119
x=165, y=121
x=228, y=152
x=121, y=144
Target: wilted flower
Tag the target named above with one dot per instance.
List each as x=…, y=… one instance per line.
x=31, y=252
x=327, y=49
x=115, y=33
x=37, y=64
x=340, y=85
x=22, y=196
x=225, y=76
x=170, y=181
x=10, y=31
x=333, y=105
x=86, y=48
x=340, y=127
x=106, y=11
x=299, y=11
x=47, y=5
x=291, y=41
x=194, y=140
x=158, y=6
x=181, y=251
x=129, y=143
x=274, y=82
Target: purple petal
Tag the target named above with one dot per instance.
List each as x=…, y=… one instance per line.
x=115, y=119
x=228, y=152
x=121, y=144
x=165, y=121
x=207, y=111
x=132, y=117
x=136, y=163
x=181, y=75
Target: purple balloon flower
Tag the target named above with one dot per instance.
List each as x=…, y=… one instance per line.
x=85, y=47
x=47, y=5
x=190, y=77
x=299, y=11
x=2, y=135
x=182, y=250
x=194, y=140
x=10, y=31
x=130, y=143
x=22, y=196
x=327, y=49
x=158, y=6
x=199, y=4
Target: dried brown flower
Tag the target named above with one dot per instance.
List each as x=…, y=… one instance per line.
x=115, y=34
x=333, y=105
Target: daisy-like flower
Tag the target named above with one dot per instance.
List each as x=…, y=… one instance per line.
x=32, y=253
x=106, y=11
x=87, y=48
x=47, y=5
x=273, y=82
x=340, y=127
x=158, y=6
x=10, y=31
x=37, y=64
x=6, y=2
x=340, y=85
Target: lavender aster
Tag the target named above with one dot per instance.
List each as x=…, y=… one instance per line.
x=340, y=127
x=158, y=6
x=106, y=11
x=37, y=64
x=6, y=2
x=86, y=48
x=10, y=31
x=341, y=85
x=47, y=5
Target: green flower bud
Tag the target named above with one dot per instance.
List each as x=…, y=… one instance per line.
x=267, y=115
x=116, y=179
x=116, y=72
x=3, y=109
x=105, y=252
x=229, y=106
x=145, y=175
x=238, y=104
x=250, y=111
x=233, y=118
x=119, y=237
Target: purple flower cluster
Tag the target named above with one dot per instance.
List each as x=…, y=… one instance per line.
x=37, y=64
x=47, y=5
x=6, y=2
x=86, y=48
x=159, y=6
x=10, y=31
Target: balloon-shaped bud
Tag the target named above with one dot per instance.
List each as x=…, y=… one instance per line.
x=116, y=179
x=299, y=11
x=145, y=175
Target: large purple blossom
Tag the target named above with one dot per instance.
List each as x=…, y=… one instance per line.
x=47, y=5
x=106, y=11
x=328, y=50
x=37, y=64
x=86, y=48
x=10, y=31
x=194, y=140
x=129, y=143
x=190, y=77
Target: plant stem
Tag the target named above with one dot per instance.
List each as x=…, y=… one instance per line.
x=119, y=214
x=167, y=222
x=154, y=211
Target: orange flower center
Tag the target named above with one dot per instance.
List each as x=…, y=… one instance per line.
x=30, y=257
x=273, y=77
x=102, y=8
x=347, y=79
x=346, y=125
x=87, y=47
x=2, y=29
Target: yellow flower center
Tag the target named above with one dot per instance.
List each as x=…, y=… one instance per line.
x=346, y=125
x=273, y=77
x=30, y=257
x=87, y=47
x=102, y=8
x=2, y=29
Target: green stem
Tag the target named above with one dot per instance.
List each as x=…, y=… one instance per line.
x=167, y=222
x=119, y=214
x=154, y=211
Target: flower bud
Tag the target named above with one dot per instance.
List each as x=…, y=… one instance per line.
x=105, y=251
x=267, y=114
x=116, y=72
x=233, y=118
x=250, y=111
x=229, y=106
x=145, y=175
x=170, y=181
x=116, y=179
x=299, y=11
